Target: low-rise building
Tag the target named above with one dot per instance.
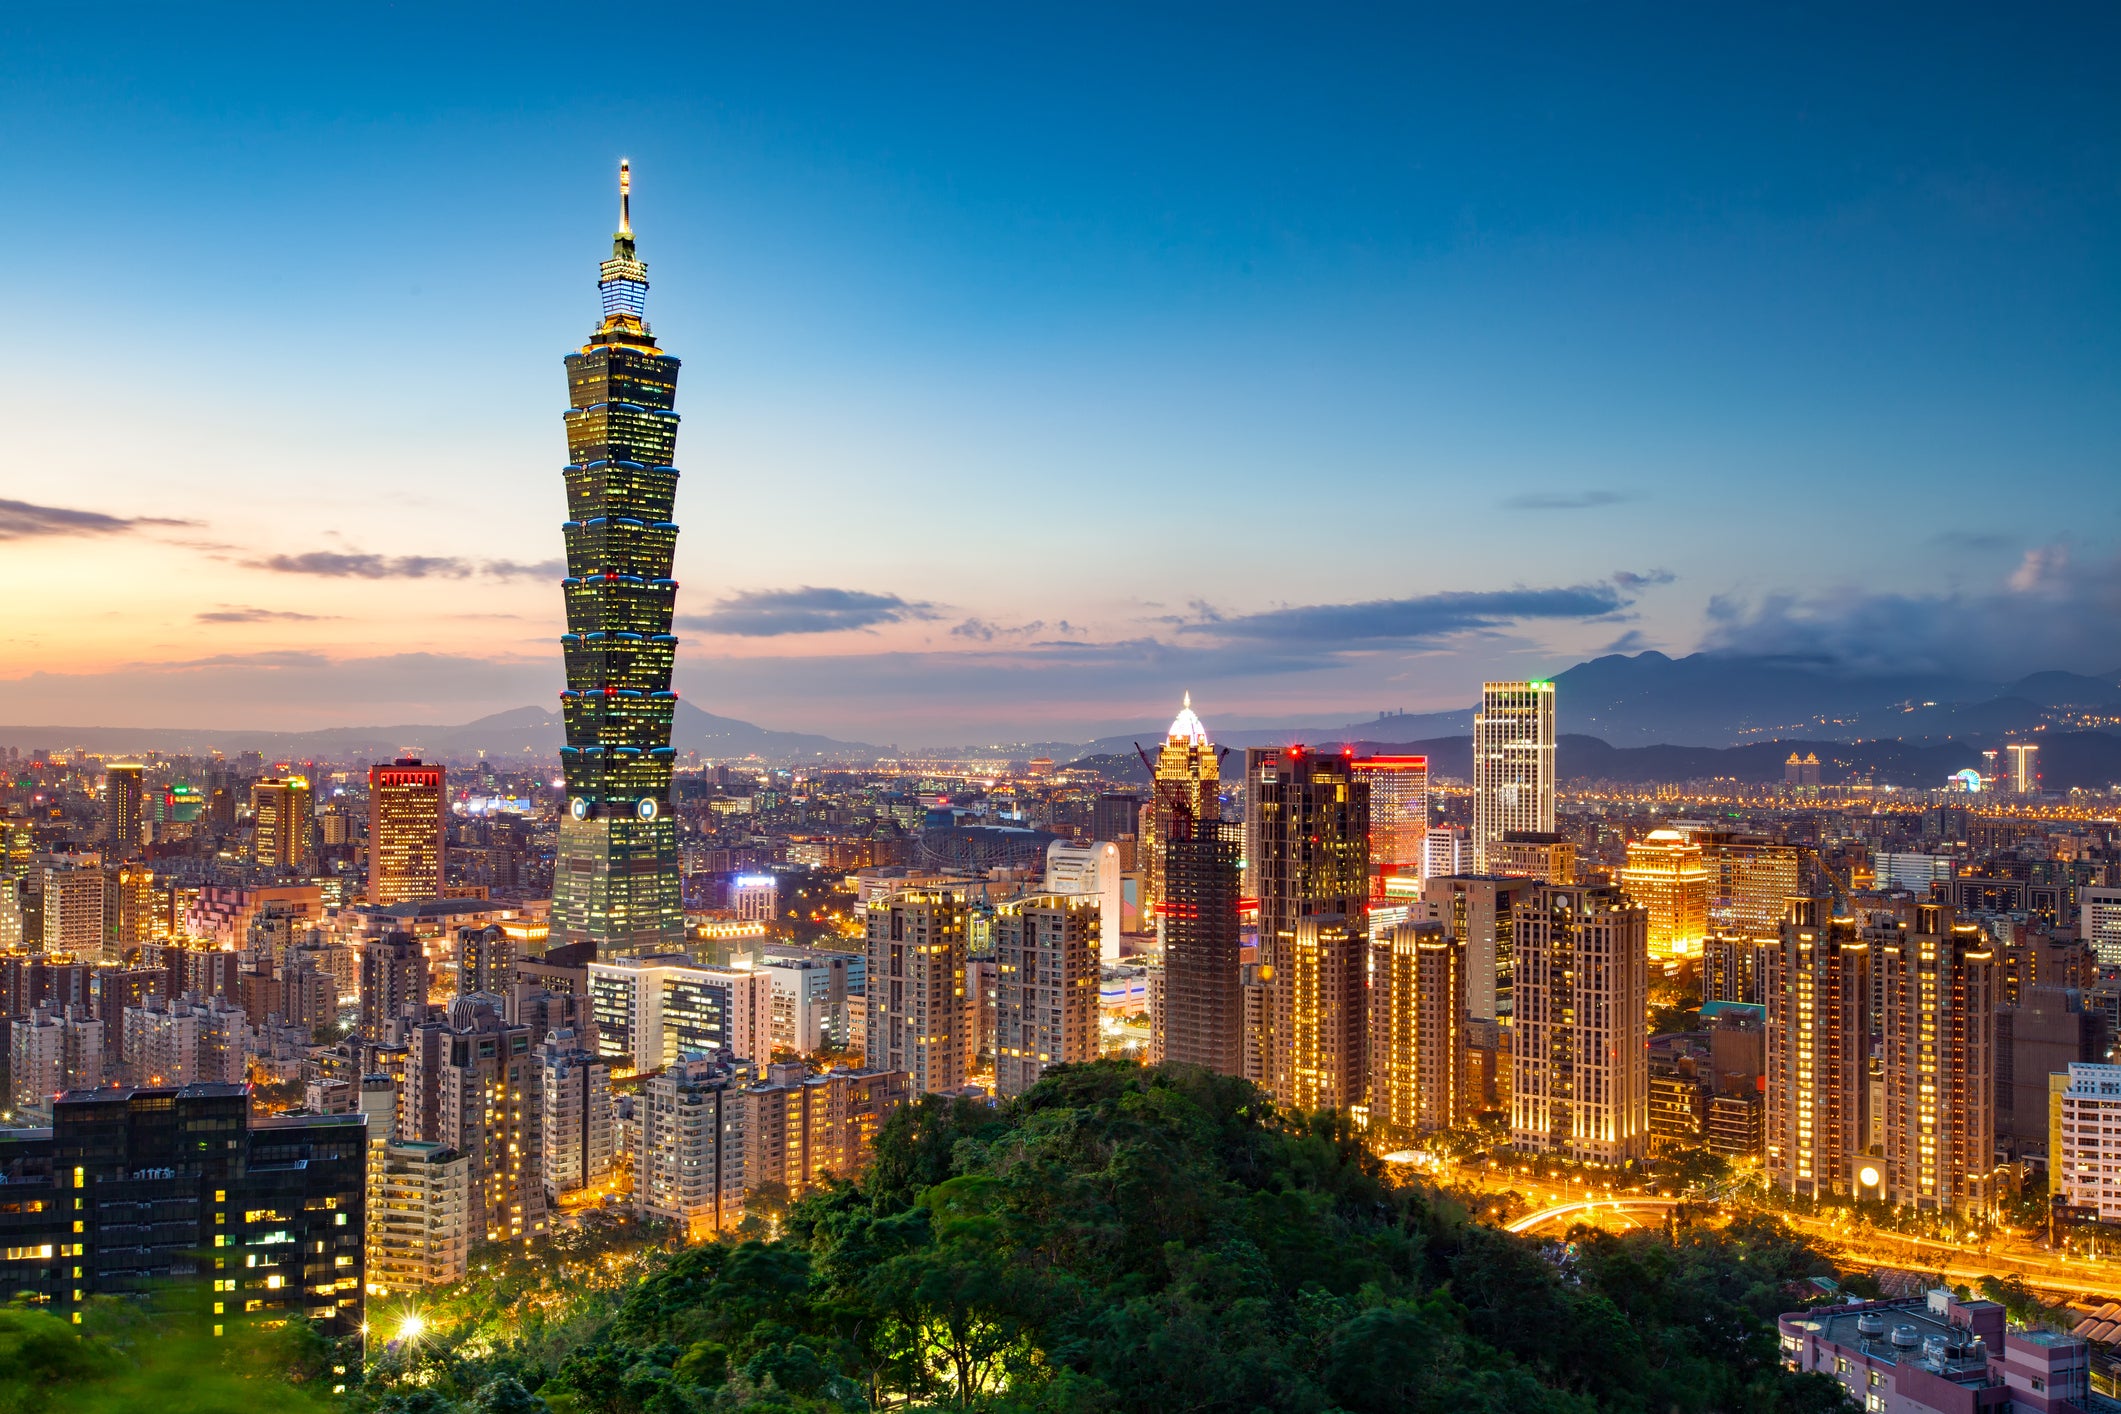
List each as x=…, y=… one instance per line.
x=1938, y=1355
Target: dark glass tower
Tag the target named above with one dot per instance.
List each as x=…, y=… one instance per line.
x=615, y=881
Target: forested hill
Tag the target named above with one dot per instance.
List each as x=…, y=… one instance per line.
x=1152, y=1240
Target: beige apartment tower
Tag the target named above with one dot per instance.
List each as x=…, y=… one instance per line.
x=1580, y=1057
x=920, y=1014
x=1417, y=1030
x=1046, y=997
x=1818, y=989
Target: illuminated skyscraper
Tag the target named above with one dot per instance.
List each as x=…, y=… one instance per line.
x=406, y=842
x=1513, y=764
x=1307, y=827
x=2024, y=767
x=1938, y=979
x=1399, y=813
x=1046, y=996
x=1201, y=1021
x=281, y=816
x=921, y=1019
x=1666, y=874
x=1188, y=774
x=123, y=795
x=1818, y=990
x=616, y=871
x=1580, y=1057
x=1417, y=1029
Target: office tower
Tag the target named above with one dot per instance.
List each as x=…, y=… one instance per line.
x=1399, y=813
x=2024, y=767
x=419, y=1203
x=1307, y=818
x=650, y=1010
x=1201, y=1018
x=281, y=818
x=73, y=909
x=1513, y=764
x=124, y=793
x=1530, y=854
x=406, y=839
x=1092, y=871
x=488, y=1104
x=1445, y=851
x=919, y=1013
x=1580, y=1059
x=48, y=1054
x=690, y=1169
x=393, y=984
x=1666, y=875
x=1417, y=1030
x=1187, y=779
x=575, y=1124
x=1046, y=1003
x=128, y=911
x=615, y=878
x=1938, y=983
x=1819, y=997
x=1751, y=880
x=803, y=1130
x=1479, y=911
x=1116, y=815
x=133, y=1189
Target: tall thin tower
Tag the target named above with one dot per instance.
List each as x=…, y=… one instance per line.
x=615, y=881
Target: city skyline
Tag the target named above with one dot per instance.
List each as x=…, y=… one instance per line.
x=1745, y=381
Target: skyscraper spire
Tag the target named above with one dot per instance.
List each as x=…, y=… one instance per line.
x=625, y=197
x=622, y=281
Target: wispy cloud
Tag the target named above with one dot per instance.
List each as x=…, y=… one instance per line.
x=773, y=613
x=245, y=614
x=981, y=630
x=355, y=564
x=1585, y=500
x=1422, y=619
x=1648, y=579
x=21, y=520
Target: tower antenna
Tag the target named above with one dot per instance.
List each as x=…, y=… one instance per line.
x=625, y=197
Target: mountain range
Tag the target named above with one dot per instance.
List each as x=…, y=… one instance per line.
x=1618, y=703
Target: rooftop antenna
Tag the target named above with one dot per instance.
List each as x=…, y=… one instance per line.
x=625, y=197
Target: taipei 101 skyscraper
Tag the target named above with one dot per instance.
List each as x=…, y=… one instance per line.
x=615, y=879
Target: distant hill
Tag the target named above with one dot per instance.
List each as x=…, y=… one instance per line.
x=532, y=732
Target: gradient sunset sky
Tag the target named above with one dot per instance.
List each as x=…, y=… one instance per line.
x=1043, y=362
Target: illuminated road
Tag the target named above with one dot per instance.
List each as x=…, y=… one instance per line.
x=1591, y=1208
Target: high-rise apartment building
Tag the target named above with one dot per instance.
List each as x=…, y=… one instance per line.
x=124, y=798
x=575, y=1124
x=1479, y=911
x=50, y=1053
x=1666, y=874
x=1187, y=781
x=1531, y=854
x=1200, y=1019
x=802, y=1130
x=1938, y=980
x=1513, y=764
x=1092, y=871
x=1324, y=1046
x=1417, y=1048
x=2085, y=1151
x=129, y=911
x=920, y=1013
x=1307, y=830
x=1399, y=813
x=407, y=844
x=282, y=819
x=1047, y=975
x=393, y=983
x=419, y=1216
x=73, y=909
x=1580, y=1059
x=690, y=1168
x=480, y=1078
x=1819, y=994
x=615, y=877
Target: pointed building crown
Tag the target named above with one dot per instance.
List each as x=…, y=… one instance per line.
x=622, y=281
x=1187, y=727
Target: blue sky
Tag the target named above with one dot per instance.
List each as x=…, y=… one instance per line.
x=1042, y=363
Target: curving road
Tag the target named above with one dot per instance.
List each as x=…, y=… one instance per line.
x=1592, y=1207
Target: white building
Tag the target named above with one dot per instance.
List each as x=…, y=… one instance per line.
x=650, y=1010
x=1092, y=871
x=73, y=909
x=2087, y=1161
x=576, y=1129
x=809, y=1002
x=755, y=897
x=1444, y=852
x=186, y=1041
x=48, y=1055
x=2099, y=912
x=1513, y=763
x=690, y=1169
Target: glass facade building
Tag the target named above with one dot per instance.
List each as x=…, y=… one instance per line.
x=615, y=880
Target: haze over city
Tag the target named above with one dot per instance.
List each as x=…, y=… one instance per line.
x=1039, y=368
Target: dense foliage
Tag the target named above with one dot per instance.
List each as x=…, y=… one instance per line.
x=1128, y=1239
